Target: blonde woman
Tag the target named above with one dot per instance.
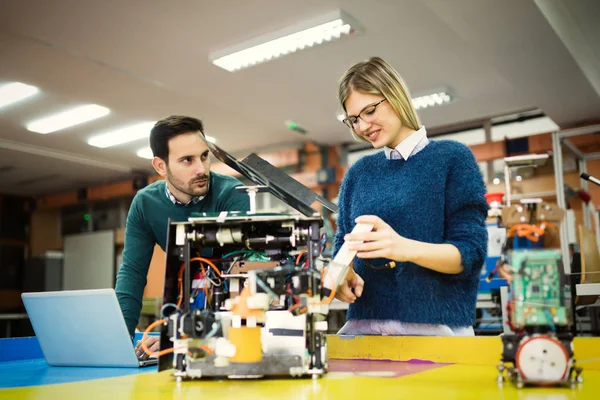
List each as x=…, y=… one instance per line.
x=426, y=202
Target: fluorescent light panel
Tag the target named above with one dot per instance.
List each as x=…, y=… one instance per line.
x=266, y=48
x=122, y=135
x=69, y=118
x=14, y=92
x=146, y=152
x=425, y=101
x=432, y=100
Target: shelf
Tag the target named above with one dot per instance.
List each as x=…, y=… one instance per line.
x=13, y=242
x=533, y=195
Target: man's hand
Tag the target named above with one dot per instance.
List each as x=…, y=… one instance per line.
x=352, y=281
x=153, y=344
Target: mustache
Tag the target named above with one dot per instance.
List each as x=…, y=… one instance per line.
x=200, y=178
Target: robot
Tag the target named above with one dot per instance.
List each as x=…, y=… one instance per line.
x=246, y=293
x=539, y=351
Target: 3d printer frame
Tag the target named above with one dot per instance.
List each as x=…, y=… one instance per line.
x=197, y=342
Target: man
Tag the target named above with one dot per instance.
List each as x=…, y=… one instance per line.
x=181, y=156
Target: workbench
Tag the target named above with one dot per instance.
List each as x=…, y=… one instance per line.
x=360, y=367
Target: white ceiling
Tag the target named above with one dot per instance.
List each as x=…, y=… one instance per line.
x=145, y=59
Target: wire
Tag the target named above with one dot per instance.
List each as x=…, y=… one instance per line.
x=207, y=261
x=488, y=278
x=299, y=257
x=530, y=231
x=180, y=283
x=214, y=330
x=205, y=284
x=166, y=351
x=329, y=299
x=296, y=300
x=389, y=265
x=145, y=337
x=213, y=282
x=233, y=253
x=550, y=322
x=266, y=288
x=162, y=309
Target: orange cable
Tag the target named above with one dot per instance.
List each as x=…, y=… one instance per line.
x=329, y=299
x=300, y=256
x=166, y=351
x=526, y=230
x=180, y=283
x=292, y=308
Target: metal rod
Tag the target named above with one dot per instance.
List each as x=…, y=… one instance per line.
x=504, y=306
x=186, y=275
x=487, y=127
x=533, y=195
x=309, y=251
x=571, y=147
x=507, y=184
x=587, y=220
x=592, y=156
x=579, y=131
x=560, y=200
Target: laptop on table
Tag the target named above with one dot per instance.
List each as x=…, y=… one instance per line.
x=82, y=328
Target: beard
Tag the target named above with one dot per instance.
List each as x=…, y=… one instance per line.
x=191, y=188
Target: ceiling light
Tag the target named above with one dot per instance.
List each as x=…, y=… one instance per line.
x=146, y=153
x=122, y=135
x=14, y=92
x=210, y=139
x=432, y=100
x=66, y=119
x=268, y=47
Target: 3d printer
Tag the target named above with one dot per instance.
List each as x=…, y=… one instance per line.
x=256, y=304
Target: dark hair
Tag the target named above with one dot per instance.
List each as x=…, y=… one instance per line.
x=168, y=128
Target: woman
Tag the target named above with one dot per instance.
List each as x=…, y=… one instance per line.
x=426, y=203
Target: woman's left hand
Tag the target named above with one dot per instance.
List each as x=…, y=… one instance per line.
x=381, y=242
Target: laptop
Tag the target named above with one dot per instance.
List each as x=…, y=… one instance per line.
x=82, y=328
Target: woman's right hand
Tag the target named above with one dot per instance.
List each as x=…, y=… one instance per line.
x=351, y=287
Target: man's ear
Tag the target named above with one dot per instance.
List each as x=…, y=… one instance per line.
x=160, y=166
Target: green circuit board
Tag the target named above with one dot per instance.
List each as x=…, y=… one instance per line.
x=536, y=297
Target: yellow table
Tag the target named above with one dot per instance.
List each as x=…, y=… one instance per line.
x=408, y=368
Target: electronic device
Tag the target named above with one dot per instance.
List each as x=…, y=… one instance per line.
x=540, y=350
x=257, y=305
x=82, y=328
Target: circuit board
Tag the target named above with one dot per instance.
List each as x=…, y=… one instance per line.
x=536, y=298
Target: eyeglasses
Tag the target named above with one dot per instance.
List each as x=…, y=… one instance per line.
x=367, y=115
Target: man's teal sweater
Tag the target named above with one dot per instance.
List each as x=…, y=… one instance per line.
x=147, y=225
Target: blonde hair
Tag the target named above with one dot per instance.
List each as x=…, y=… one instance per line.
x=375, y=76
